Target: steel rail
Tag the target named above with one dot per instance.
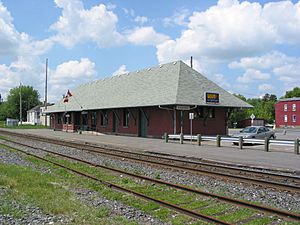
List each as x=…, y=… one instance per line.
x=174, y=207
x=239, y=169
x=197, y=170
x=263, y=208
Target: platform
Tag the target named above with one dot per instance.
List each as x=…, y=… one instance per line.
x=249, y=156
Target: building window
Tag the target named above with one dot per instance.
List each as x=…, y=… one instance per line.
x=200, y=113
x=125, y=117
x=94, y=119
x=103, y=119
x=285, y=118
x=285, y=107
x=294, y=107
x=294, y=118
x=59, y=120
x=211, y=113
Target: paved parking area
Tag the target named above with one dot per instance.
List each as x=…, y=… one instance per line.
x=251, y=155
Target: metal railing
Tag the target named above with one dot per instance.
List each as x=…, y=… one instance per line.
x=239, y=140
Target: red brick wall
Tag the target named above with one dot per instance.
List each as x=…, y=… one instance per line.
x=160, y=121
x=279, y=114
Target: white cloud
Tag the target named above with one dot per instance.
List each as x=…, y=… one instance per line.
x=178, y=18
x=71, y=71
x=145, y=36
x=285, y=68
x=233, y=29
x=285, y=17
x=122, y=70
x=77, y=24
x=265, y=87
x=69, y=75
x=267, y=61
x=141, y=19
x=252, y=75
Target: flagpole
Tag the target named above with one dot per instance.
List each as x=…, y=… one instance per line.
x=20, y=103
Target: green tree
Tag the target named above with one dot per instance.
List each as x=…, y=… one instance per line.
x=263, y=108
x=30, y=98
x=293, y=93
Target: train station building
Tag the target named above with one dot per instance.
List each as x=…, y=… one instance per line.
x=148, y=103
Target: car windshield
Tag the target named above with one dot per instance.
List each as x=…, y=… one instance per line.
x=249, y=130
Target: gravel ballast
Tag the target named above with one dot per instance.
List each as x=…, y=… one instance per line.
x=268, y=196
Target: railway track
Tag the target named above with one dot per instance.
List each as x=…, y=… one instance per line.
x=262, y=178
x=186, y=211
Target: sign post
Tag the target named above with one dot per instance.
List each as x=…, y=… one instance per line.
x=252, y=117
x=191, y=116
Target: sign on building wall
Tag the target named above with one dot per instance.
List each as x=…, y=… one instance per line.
x=212, y=97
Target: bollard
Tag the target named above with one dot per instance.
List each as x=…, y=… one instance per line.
x=218, y=141
x=199, y=139
x=241, y=142
x=181, y=138
x=267, y=144
x=166, y=137
x=296, y=146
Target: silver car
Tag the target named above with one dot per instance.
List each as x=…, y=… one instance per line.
x=259, y=132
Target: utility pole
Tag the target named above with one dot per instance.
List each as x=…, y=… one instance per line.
x=46, y=81
x=20, y=103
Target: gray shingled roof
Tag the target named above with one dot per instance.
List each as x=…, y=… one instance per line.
x=169, y=84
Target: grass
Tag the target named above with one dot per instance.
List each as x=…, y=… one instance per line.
x=46, y=191
x=23, y=126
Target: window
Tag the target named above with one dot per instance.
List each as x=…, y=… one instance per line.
x=285, y=107
x=285, y=118
x=294, y=107
x=94, y=119
x=59, y=119
x=200, y=112
x=103, y=118
x=211, y=113
x=125, y=117
x=294, y=118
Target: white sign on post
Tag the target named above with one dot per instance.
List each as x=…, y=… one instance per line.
x=191, y=116
x=252, y=117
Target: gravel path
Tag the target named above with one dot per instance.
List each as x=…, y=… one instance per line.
x=279, y=199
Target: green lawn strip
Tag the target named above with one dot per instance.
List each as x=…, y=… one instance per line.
x=23, y=126
x=240, y=214
x=29, y=187
x=261, y=221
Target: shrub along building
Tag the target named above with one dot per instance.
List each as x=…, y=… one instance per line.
x=148, y=103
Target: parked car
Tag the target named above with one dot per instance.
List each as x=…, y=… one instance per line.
x=259, y=132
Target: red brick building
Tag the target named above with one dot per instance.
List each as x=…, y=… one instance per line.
x=148, y=103
x=287, y=112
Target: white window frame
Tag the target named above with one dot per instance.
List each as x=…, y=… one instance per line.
x=285, y=107
x=285, y=118
x=294, y=107
x=294, y=118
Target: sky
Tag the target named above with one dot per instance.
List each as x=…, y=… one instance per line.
x=247, y=47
